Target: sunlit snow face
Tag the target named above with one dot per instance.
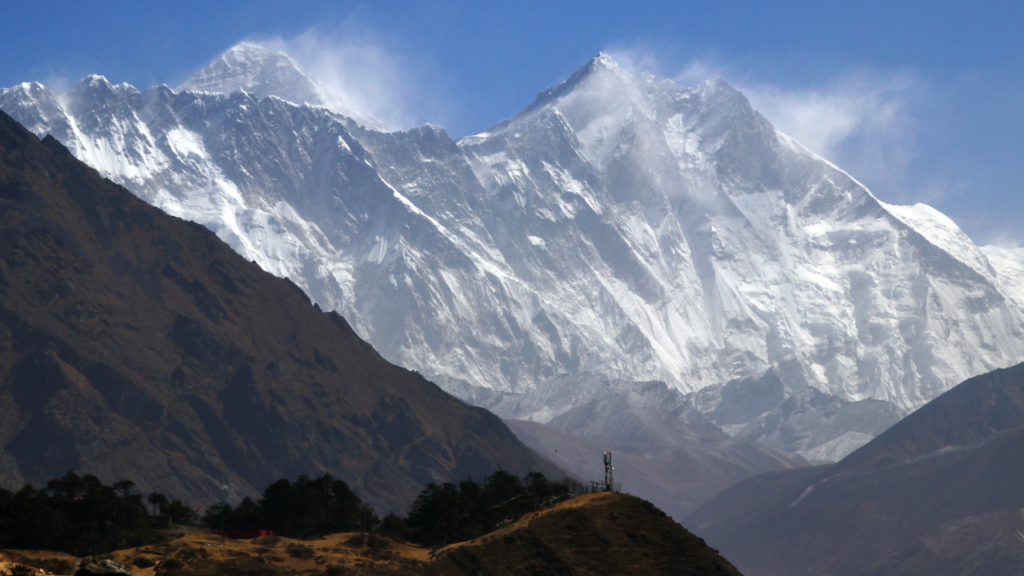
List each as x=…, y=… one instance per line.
x=600, y=106
x=621, y=226
x=267, y=71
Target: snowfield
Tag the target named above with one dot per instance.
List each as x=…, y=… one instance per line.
x=624, y=227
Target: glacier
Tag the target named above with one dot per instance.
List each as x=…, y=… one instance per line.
x=621, y=226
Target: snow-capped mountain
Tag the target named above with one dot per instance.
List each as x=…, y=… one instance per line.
x=622, y=226
x=717, y=246
x=262, y=72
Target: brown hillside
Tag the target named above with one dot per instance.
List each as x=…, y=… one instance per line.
x=590, y=535
x=137, y=345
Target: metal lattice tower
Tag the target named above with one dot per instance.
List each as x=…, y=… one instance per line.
x=609, y=481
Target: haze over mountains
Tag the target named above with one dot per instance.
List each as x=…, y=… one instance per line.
x=665, y=449
x=620, y=226
x=938, y=493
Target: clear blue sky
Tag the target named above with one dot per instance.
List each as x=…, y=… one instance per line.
x=923, y=101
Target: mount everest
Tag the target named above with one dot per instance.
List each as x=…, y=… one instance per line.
x=620, y=227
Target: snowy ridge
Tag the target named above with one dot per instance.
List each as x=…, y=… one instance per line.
x=627, y=227
x=944, y=233
x=1008, y=263
x=249, y=67
x=797, y=265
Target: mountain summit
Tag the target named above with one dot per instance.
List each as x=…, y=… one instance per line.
x=623, y=226
x=705, y=229
x=264, y=72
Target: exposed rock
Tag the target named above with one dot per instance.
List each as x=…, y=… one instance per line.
x=104, y=568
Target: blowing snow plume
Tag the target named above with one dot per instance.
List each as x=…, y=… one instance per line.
x=862, y=120
x=359, y=72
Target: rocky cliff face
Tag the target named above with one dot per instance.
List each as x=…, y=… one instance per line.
x=137, y=345
x=623, y=226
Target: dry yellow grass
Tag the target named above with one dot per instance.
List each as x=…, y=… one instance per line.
x=591, y=534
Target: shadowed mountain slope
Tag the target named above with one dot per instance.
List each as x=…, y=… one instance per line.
x=137, y=345
x=938, y=493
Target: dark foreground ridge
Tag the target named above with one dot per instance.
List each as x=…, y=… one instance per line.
x=80, y=515
x=939, y=493
x=595, y=534
x=137, y=345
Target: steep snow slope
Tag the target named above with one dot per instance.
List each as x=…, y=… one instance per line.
x=1008, y=263
x=179, y=151
x=623, y=226
x=722, y=247
x=291, y=188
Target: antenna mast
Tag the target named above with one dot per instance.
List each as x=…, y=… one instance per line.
x=609, y=482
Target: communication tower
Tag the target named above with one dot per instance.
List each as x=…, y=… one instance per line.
x=609, y=481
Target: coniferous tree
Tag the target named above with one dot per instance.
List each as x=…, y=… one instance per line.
x=159, y=503
x=75, y=514
x=446, y=513
x=306, y=507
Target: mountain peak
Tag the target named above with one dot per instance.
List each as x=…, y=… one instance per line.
x=264, y=72
x=27, y=91
x=248, y=49
x=605, y=61
x=600, y=66
x=718, y=85
x=260, y=71
x=95, y=81
x=97, y=86
x=27, y=86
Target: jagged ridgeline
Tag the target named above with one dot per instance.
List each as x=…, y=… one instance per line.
x=136, y=345
x=622, y=224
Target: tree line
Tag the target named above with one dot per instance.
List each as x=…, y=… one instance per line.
x=76, y=514
x=296, y=510
x=441, y=514
x=446, y=513
x=81, y=515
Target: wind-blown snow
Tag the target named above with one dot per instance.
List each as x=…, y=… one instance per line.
x=263, y=72
x=725, y=247
x=623, y=226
